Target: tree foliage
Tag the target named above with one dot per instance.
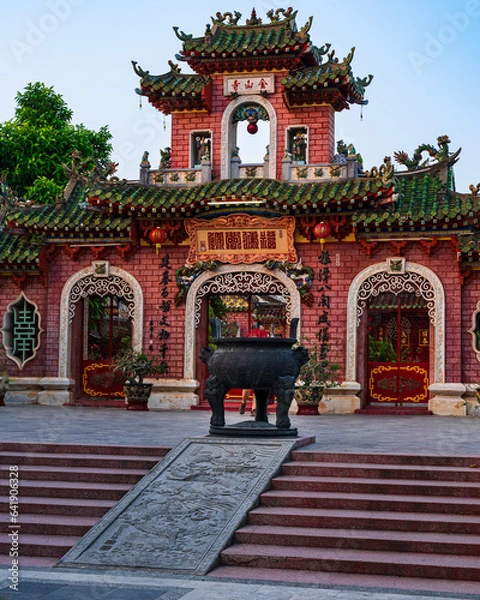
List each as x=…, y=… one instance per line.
x=40, y=138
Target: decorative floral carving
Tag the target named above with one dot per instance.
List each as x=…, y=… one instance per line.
x=299, y=273
x=104, y=286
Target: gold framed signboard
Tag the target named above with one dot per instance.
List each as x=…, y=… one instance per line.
x=236, y=239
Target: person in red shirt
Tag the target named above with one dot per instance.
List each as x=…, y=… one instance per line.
x=256, y=331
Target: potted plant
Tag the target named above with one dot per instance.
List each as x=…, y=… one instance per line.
x=135, y=365
x=3, y=381
x=316, y=375
x=3, y=388
x=473, y=407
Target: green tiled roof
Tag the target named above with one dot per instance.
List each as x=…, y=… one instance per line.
x=226, y=39
x=16, y=251
x=342, y=195
x=230, y=47
x=174, y=90
x=424, y=202
x=320, y=79
x=69, y=220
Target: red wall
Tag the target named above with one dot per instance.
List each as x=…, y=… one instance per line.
x=319, y=119
x=347, y=260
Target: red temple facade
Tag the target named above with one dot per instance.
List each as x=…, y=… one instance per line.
x=380, y=266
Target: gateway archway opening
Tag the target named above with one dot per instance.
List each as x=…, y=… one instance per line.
x=241, y=315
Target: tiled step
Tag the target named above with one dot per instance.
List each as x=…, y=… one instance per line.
x=79, y=474
x=381, y=471
x=109, y=449
x=396, y=521
x=63, y=491
x=405, y=460
x=51, y=524
x=59, y=506
x=364, y=485
x=68, y=489
x=77, y=460
x=358, y=519
x=45, y=546
x=373, y=502
x=375, y=540
x=397, y=564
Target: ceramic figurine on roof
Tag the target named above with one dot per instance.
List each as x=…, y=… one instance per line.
x=368, y=259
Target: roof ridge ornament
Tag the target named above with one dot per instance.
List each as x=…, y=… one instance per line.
x=385, y=172
x=303, y=33
x=138, y=69
x=221, y=18
x=181, y=35
x=414, y=163
x=365, y=82
x=254, y=20
x=174, y=68
x=288, y=14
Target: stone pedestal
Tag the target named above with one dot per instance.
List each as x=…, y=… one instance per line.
x=235, y=163
x=177, y=394
x=23, y=390
x=447, y=399
x=341, y=400
x=286, y=169
x=55, y=391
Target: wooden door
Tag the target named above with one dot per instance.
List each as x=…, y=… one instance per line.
x=398, y=350
x=107, y=333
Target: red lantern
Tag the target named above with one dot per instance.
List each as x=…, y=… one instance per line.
x=321, y=231
x=157, y=237
x=252, y=128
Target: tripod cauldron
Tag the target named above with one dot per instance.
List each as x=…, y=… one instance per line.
x=261, y=364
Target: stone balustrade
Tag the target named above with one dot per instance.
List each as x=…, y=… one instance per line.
x=291, y=171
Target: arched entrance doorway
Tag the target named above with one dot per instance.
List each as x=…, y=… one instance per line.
x=265, y=296
x=396, y=332
x=101, y=314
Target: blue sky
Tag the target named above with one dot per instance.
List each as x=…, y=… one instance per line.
x=424, y=55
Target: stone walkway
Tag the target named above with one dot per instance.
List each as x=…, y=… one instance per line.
x=336, y=433
x=349, y=433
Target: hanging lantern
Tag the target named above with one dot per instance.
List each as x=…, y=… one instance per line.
x=157, y=237
x=321, y=231
x=252, y=118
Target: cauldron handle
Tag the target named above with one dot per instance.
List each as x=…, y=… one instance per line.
x=217, y=327
x=293, y=327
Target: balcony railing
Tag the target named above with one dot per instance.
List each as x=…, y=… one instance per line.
x=291, y=171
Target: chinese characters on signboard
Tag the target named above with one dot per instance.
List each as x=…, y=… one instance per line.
x=243, y=85
x=241, y=239
x=245, y=241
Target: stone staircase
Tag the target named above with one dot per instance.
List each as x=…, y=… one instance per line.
x=63, y=491
x=387, y=521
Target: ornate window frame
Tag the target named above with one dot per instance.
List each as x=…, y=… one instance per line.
x=231, y=278
x=94, y=280
x=415, y=278
x=475, y=329
x=228, y=133
x=8, y=331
